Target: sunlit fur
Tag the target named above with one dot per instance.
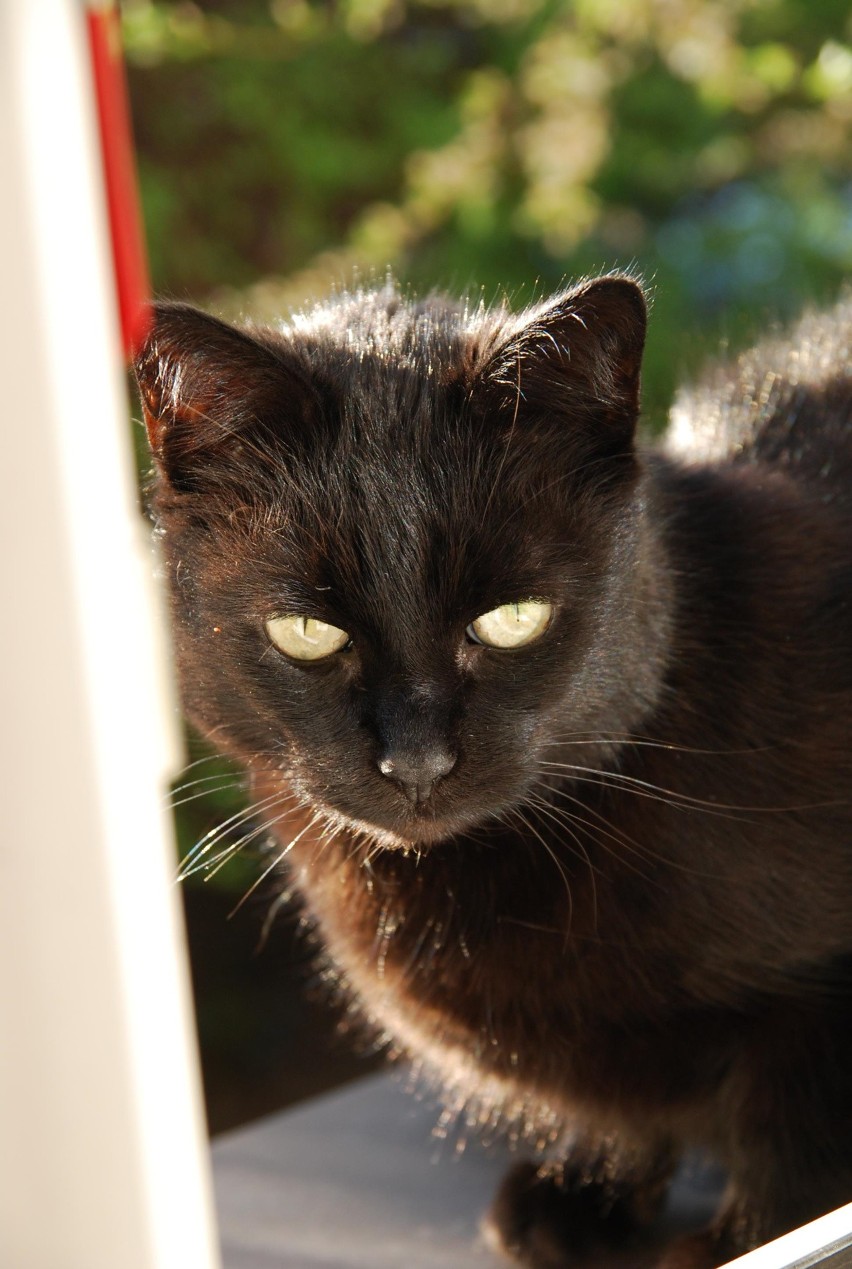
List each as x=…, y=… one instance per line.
x=598, y=887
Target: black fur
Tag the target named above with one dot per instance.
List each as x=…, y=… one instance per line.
x=618, y=912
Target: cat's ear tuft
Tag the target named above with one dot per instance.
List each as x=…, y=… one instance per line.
x=203, y=384
x=577, y=355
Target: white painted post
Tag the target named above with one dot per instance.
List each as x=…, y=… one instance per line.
x=103, y=1162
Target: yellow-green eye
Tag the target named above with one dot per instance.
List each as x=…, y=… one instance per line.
x=511, y=625
x=305, y=638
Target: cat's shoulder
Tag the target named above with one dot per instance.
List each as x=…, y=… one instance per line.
x=787, y=401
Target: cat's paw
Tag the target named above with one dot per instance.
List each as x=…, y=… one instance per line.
x=551, y=1217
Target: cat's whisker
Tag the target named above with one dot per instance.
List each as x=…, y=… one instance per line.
x=211, y=866
x=213, y=837
x=517, y=812
x=197, y=762
x=195, y=858
x=374, y=847
x=275, y=863
x=280, y=901
x=567, y=819
x=606, y=828
x=327, y=839
x=618, y=836
x=630, y=739
x=564, y=820
x=529, y=925
x=415, y=959
x=229, y=774
x=244, y=813
x=584, y=854
x=332, y=830
x=237, y=785
x=685, y=801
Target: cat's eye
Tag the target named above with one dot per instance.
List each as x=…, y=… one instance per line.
x=511, y=625
x=305, y=638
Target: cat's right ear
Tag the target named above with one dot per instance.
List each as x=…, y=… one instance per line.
x=206, y=388
x=575, y=359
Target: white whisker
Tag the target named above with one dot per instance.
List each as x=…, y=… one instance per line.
x=210, y=839
x=203, y=793
x=274, y=863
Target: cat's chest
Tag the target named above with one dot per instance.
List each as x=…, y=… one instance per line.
x=522, y=1027
x=489, y=998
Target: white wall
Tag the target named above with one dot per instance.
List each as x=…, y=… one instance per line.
x=103, y=1159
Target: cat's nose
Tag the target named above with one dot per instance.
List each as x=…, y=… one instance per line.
x=417, y=773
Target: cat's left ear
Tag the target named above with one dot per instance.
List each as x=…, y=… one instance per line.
x=208, y=389
x=580, y=355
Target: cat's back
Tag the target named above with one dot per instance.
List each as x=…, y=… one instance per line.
x=786, y=402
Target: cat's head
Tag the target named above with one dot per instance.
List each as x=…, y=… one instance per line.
x=404, y=542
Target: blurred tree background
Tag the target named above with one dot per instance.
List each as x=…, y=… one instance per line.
x=286, y=146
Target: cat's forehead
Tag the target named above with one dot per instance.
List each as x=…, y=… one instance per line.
x=410, y=490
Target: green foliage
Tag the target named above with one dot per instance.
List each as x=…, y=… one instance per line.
x=505, y=144
x=502, y=144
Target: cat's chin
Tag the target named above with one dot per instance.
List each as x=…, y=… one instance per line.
x=419, y=836
x=415, y=835
x=383, y=839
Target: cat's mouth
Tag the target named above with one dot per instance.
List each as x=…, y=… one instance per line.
x=422, y=828
x=418, y=831
x=421, y=839
x=382, y=821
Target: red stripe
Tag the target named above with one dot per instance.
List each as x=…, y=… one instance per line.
x=128, y=244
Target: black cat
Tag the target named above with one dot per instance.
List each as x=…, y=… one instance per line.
x=554, y=730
